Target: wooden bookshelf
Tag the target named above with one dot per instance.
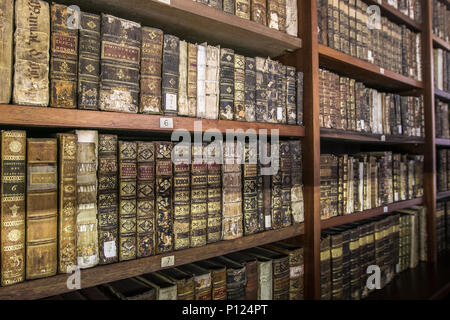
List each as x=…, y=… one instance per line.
x=442, y=195
x=442, y=95
x=439, y=43
x=442, y=142
x=362, y=137
x=370, y=213
x=50, y=286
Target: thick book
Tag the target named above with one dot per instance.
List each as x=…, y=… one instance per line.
x=239, y=87
x=108, y=209
x=170, y=74
x=63, y=59
x=192, y=79
x=151, y=64
x=325, y=268
x=31, y=53
x=261, y=89
x=291, y=18
x=181, y=196
x=226, y=102
x=87, y=186
x=6, y=54
x=218, y=278
x=89, y=61
x=165, y=289
x=297, y=207
x=182, y=80
x=67, y=201
x=276, y=211
x=12, y=206
x=235, y=278
x=264, y=273
x=212, y=75
x=286, y=183
x=201, y=80
x=291, y=97
x=251, y=273
x=185, y=282
x=199, y=197
x=250, y=89
x=131, y=289
x=249, y=193
x=202, y=280
x=214, y=203
x=242, y=9
x=42, y=208
x=271, y=91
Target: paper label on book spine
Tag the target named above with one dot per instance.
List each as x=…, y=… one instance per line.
x=382, y=70
x=383, y=138
x=296, y=271
x=268, y=221
x=362, y=125
x=399, y=129
x=396, y=196
x=279, y=113
x=171, y=101
x=109, y=249
x=385, y=209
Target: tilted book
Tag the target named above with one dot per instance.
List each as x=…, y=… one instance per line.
x=6, y=54
x=181, y=196
x=199, y=197
x=185, y=282
x=218, y=278
x=170, y=74
x=131, y=289
x=226, y=102
x=165, y=289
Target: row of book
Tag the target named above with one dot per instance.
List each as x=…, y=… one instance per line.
x=352, y=183
x=410, y=8
x=270, y=272
x=280, y=15
x=441, y=119
x=441, y=16
x=441, y=64
x=346, y=104
x=113, y=64
x=393, y=243
x=443, y=170
x=348, y=26
x=443, y=225
x=85, y=198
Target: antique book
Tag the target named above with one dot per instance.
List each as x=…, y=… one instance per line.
x=336, y=264
x=183, y=109
x=286, y=183
x=265, y=272
x=228, y=6
x=258, y=11
x=202, y=280
x=273, y=14
x=67, y=203
x=231, y=192
x=214, y=222
x=63, y=59
x=291, y=103
x=145, y=202
x=170, y=74
x=281, y=15
x=249, y=181
x=108, y=209
x=31, y=53
x=266, y=184
x=291, y=18
x=42, y=208
x=261, y=89
x=242, y=9
x=87, y=224
x=250, y=89
x=217, y=4
x=218, y=278
x=89, y=61
x=151, y=64
x=271, y=91
x=298, y=214
x=131, y=289
x=185, y=282
x=120, y=64
x=299, y=81
x=260, y=198
x=181, y=196
x=165, y=289
x=276, y=212
x=251, y=273
x=164, y=195
x=226, y=102
x=325, y=268
x=12, y=206
x=192, y=79
x=6, y=52
x=281, y=116
x=127, y=200
x=212, y=82
x=199, y=197
x=201, y=80
x=239, y=87
x=235, y=278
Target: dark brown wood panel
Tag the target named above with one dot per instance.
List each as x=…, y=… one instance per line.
x=362, y=137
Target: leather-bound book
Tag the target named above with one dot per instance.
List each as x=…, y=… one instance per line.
x=281, y=15
x=170, y=74
x=214, y=223
x=239, y=87
x=261, y=89
x=181, y=196
x=151, y=64
x=164, y=209
x=291, y=98
x=42, y=208
x=89, y=61
x=297, y=208
x=127, y=200
x=121, y=42
x=249, y=180
x=296, y=267
x=346, y=275
x=67, y=201
x=272, y=92
x=276, y=211
x=260, y=198
x=31, y=53
x=228, y=6
x=165, y=289
x=355, y=268
x=286, y=183
x=250, y=89
x=226, y=102
x=325, y=268
x=131, y=289
x=63, y=59
x=266, y=187
x=6, y=54
x=12, y=206
x=145, y=203
x=212, y=82
x=202, y=280
x=183, y=109
x=218, y=278
x=292, y=18
x=192, y=79
x=258, y=11
x=231, y=191
x=108, y=208
x=199, y=197
x=273, y=14
x=201, y=80
x=242, y=9
x=185, y=282
x=265, y=272
x=235, y=278
x=217, y=4
x=336, y=264
x=251, y=273
x=87, y=224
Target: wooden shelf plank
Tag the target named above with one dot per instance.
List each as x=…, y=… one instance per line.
x=74, y=118
x=366, y=214
x=363, y=71
x=440, y=43
x=197, y=22
x=442, y=142
x=442, y=95
x=361, y=137
x=50, y=286
x=442, y=195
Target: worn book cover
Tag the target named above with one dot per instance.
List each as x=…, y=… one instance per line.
x=226, y=102
x=251, y=272
x=201, y=80
x=165, y=289
x=264, y=274
x=271, y=91
x=286, y=183
x=228, y=6
x=218, y=278
x=239, y=87
x=273, y=14
x=214, y=222
x=170, y=74
x=250, y=89
x=249, y=180
x=185, y=282
x=6, y=52
x=258, y=11
x=212, y=75
x=202, y=280
x=242, y=9
x=199, y=197
x=181, y=196
x=192, y=80
x=235, y=278
x=261, y=89
x=297, y=182
x=183, y=109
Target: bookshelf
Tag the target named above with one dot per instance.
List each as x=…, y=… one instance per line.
x=360, y=137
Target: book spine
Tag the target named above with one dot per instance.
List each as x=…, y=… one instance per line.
x=242, y=9
x=276, y=197
x=239, y=87
x=299, y=81
x=228, y=6
x=201, y=80
x=291, y=18
x=258, y=11
x=272, y=100
x=192, y=80
x=297, y=184
x=121, y=42
x=273, y=14
x=42, y=208
x=217, y=4
x=291, y=102
x=31, y=53
x=249, y=180
x=226, y=104
x=265, y=283
x=214, y=222
x=170, y=74
x=281, y=94
x=286, y=183
x=281, y=278
x=219, y=284
x=261, y=89
x=183, y=109
x=212, y=82
x=6, y=54
x=67, y=171
x=127, y=200
x=182, y=197
x=325, y=269
x=145, y=203
x=260, y=199
x=199, y=197
x=250, y=89
x=151, y=64
x=12, y=206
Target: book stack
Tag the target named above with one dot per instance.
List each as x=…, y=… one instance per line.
x=346, y=104
x=441, y=64
x=441, y=16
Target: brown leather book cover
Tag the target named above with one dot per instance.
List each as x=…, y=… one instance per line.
x=218, y=278
x=202, y=280
x=239, y=87
x=286, y=183
x=181, y=196
x=258, y=11
x=214, y=223
x=170, y=74
x=185, y=282
x=242, y=9
x=12, y=206
x=64, y=58
x=6, y=54
x=67, y=201
x=199, y=196
x=249, y=180
x=42, y=208
x=251, y=273
x=235, y=278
